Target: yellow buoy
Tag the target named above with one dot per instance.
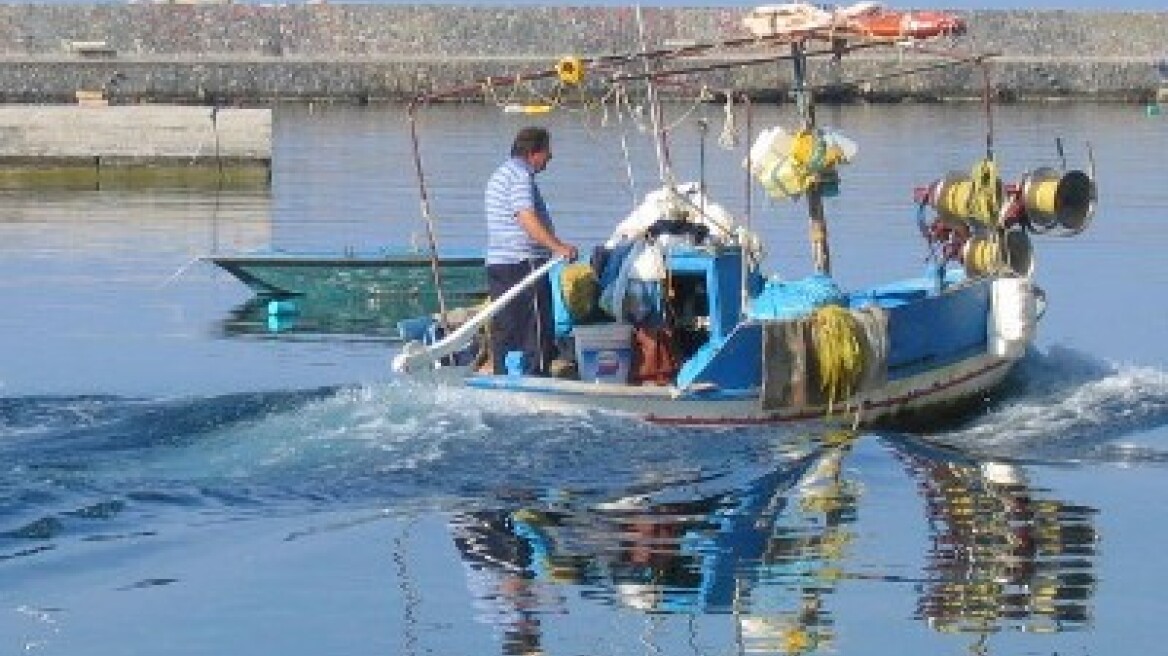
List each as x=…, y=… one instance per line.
x=570, y=70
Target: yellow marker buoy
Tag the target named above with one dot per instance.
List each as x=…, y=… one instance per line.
x=570, y=70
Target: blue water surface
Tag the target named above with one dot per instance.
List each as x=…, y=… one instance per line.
x=179, y=475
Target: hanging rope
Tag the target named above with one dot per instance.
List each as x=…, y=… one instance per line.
x=839, y=355
x=622, y=96
x=748, y=183
x=665, y=167
x=703, y=97
x=985, y=195
x=491, y=96
x=728, y=137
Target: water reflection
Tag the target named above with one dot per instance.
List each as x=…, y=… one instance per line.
x=353, y=318
x=1002, y=555
x=771, y=548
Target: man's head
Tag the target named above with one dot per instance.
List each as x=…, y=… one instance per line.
x=534, y=146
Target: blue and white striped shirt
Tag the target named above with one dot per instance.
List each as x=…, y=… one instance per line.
x=511, y=189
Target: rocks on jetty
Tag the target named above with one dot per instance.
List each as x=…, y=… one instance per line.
x=256, y=53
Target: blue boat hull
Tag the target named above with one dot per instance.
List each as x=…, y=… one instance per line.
x=945, y=359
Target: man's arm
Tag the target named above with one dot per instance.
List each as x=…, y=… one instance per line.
x=535, y=228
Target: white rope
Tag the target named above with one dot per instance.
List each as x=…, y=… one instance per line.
x=624, y=141
x=728, y=138
x=703, y=97
x=178, y=272
x=654, y=109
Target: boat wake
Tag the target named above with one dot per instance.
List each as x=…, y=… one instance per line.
x=402, y=447
x=102, y=467
x=1064, y=405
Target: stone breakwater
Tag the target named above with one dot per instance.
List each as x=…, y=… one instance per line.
x=134, y=145
x=252, y=54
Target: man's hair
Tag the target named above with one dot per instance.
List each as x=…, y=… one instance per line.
x=531, y=140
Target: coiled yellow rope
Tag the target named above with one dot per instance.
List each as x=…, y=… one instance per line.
x=836, y=335
x=983, y=256
x=985, y=196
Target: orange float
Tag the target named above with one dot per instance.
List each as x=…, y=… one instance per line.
x=907, y=24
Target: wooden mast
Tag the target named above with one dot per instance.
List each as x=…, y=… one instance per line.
x=817, y=222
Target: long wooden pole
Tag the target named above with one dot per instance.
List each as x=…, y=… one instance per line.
x=431, y=236
x=820, y=250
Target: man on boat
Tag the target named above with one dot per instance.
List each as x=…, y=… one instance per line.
x=521, y=238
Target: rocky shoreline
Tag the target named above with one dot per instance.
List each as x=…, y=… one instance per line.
x=249, y=54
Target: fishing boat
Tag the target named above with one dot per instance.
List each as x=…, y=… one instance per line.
x=351, y=292
x=685, y=327
x=280, y=274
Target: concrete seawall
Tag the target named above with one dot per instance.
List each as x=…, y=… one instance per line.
x=134, y=145
x=256, y=54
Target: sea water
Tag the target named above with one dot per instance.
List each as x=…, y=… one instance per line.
x=178, y=475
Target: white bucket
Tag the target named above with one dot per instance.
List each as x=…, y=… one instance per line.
x=1013, y=316
x=604, y=352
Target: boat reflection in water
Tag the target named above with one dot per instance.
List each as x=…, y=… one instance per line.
x=357, y=317
x=1002, y=556
x=363, y=317
x=771, y=549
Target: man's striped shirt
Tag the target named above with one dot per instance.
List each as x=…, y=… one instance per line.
x=510, y=189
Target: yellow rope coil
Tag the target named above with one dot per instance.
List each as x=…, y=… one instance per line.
x=570, y=70
x=985, y=197
x=982, y=256
x=977, y=197
x=839, y=355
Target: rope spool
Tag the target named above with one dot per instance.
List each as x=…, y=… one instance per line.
x=950, y=195
x=981, y=256
x=1058, y=200
x=838, y=352
x=976, y=196
x=1010, y=249
x=570, y=70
